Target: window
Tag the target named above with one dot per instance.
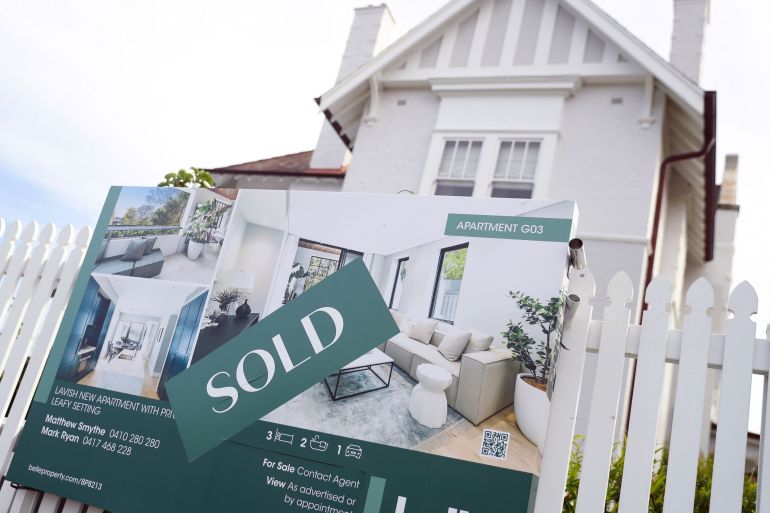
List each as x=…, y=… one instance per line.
x=515, y=169
x=147, y=211
x=313, y=262
x=398, y=282
x=458, y=166
x=460, y=159
x=449, y=276
x=454, y=188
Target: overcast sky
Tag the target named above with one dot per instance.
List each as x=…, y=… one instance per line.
x=94, y=93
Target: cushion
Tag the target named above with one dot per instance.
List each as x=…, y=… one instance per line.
x=478, y=342
x=397, y=316
x=427, y=352
x=423, y=330
x=135, y=250
x=453, y=344
x=150, y=245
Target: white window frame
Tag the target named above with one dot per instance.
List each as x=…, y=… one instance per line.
x=490, y=147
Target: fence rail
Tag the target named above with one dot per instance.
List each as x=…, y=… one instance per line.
x=38, y=268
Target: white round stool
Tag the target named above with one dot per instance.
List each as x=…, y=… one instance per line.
x=428, y=402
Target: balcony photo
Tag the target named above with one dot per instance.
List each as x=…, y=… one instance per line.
x=166, y=233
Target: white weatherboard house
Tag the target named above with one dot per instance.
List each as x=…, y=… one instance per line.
x=548, y=99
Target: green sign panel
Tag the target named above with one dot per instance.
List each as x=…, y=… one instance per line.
x=307, y=339
x=509, y=227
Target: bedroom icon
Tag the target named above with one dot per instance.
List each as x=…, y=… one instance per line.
x=318, y=445
x=284, y=437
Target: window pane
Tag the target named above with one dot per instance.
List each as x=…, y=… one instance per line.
x=473, y=160
x=446, y=158
x=514, y=172
x=502, y=159
x=512, y=190
x=447, y=288
x=451, y=188
x=530, y=161
x=398, y=283
x=459, y=162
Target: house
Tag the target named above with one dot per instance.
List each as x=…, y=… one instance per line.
x=541, y=99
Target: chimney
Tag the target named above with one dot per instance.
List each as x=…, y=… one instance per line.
x=728, y=190
x=368, y=35
x=690, y=20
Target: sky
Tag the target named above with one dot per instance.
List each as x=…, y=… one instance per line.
x=96, y=93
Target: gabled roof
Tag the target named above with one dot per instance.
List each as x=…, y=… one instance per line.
x=681, y=88
x=284, y=165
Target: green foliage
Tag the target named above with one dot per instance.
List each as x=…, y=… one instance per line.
x=162, y=207
x=227, y=297
x=204, y=218
x=657, y=484
x=454, y=264
x=196, y=177
x=139, y=233
x=537, y=355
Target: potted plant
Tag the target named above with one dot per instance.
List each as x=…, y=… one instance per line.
x=225, y=298
x=200, y=224
x=296, y=279
x=537, y=353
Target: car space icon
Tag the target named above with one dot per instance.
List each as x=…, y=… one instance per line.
x=354, y=451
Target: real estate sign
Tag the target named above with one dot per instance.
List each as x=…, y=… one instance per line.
x=249, y=350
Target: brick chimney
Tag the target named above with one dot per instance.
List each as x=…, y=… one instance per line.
x=690, y=20
x=369, y=34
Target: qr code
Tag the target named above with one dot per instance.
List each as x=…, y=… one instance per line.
x=495, y=444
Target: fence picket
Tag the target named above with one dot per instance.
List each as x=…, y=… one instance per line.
x=564, y=401
x=18, y=307
x=49, y=504
x=690, y=396
x=43, y=287
x=25, y=501
x=734, y=399
x=16, y=263
x=7, y=246
x=605, y=396
x=763, y=478
x=645, y=405
x=15, y=418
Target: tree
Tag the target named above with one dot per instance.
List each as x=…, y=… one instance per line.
x=454, y=264
x=196, y=177
x=536, y=355
x=130, y=217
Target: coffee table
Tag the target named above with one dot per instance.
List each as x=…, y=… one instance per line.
x=363, y=363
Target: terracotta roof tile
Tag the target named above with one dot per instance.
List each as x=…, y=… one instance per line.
x=291, y=164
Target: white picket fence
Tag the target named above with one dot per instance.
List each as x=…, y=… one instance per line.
x=38, y=270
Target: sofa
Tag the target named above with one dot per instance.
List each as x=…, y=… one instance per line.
x=148, y=266
x=482, y=381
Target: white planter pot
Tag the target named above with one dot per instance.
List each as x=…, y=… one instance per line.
x=194, y=250
x=532, y=407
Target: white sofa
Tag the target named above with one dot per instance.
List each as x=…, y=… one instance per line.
x=482, y=382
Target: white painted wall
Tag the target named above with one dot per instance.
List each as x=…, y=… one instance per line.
x=390, y=153
x=493, y=268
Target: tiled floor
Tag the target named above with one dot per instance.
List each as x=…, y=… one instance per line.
x=180, y=268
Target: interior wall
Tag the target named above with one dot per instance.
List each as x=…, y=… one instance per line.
x=493, y=267
x=258, y=254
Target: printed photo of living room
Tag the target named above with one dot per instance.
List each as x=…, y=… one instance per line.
x=132, y=335
x=448, y=375
x=166, y=233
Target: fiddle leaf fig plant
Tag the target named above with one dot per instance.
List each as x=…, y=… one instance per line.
x=536, y=353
